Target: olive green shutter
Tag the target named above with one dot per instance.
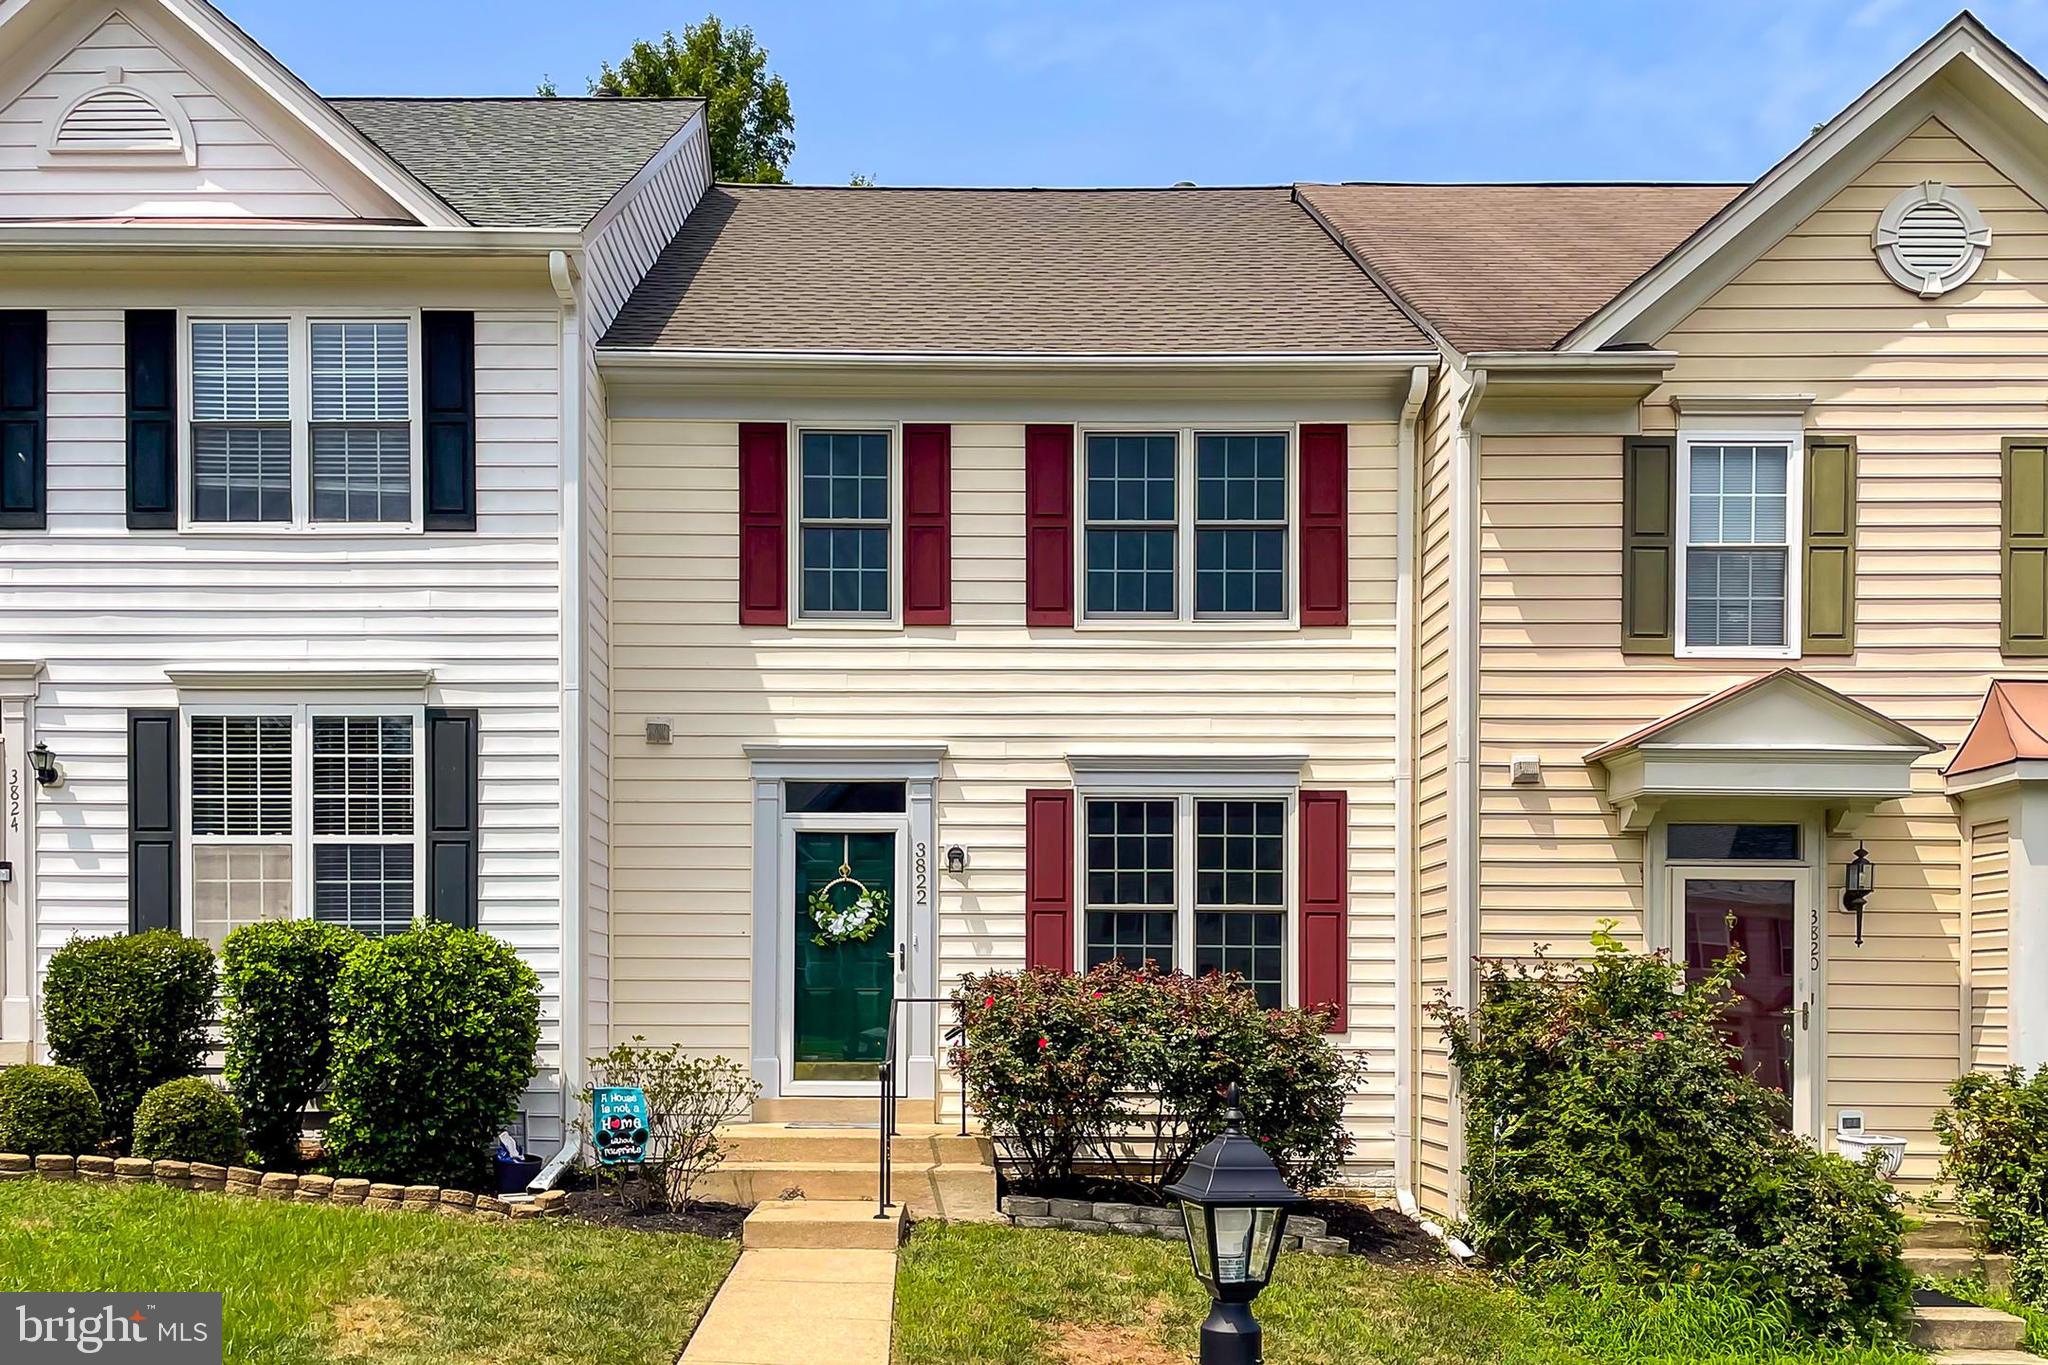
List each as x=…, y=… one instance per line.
x=1647, y=544
x=2025, y=542
x=1830, y=595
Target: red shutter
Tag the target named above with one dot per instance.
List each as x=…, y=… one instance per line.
x=1048, y=526
x=764, y=524
x=927, y=524
x=1325, y=874
x=1325, y=551
x=1049, y=879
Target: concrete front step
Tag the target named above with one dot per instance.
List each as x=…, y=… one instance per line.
x=843, y=1109
x=835, y=1224
x=929, y=1144
x=960, y=1193
x=1941, y=1232
x=1960, y=1263
x=1961, y=1329
x=1986, y=1358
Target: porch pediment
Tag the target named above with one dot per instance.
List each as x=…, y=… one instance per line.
x=1779, y=736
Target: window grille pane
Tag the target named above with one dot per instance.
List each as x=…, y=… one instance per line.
x=845, y=571
x=1241, y=477
x=362, y=775
x=1130, y=573
x=241, y=474
x=365, y=887
x=1737, y=495
x=1129, y=882
x=1240, y=850
x=240, y=372
x=1735, y=597
x=1240, y=573
x=1132, y=937
x=1740, y=843
x=845, y=476
x=361, y=372
x=1251, y=943
x=242, y=776
x=238, y=884
x=1131, y=478
x=362, y=473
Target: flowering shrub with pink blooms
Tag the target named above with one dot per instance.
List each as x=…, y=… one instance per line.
x=1123, y=1073
x=1612, y=1139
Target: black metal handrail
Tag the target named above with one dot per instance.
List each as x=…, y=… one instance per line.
x=889, y=1096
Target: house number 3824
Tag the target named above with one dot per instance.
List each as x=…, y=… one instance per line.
x=920, y=874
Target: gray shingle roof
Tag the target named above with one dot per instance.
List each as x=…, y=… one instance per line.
x=1180, y=271
x=521, y=162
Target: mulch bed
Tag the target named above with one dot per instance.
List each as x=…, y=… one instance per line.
x=1384, y=1236
x=721, y=1221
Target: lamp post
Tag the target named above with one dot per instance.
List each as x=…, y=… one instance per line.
x=1857, y=881
x=45, y=764
x=1235, y=1205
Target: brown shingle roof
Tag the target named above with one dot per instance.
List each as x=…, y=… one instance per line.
x=1513, y=267
x=1147, y=272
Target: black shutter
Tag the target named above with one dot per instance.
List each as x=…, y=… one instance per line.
x=448, y=360
x=451, y=816
x=23, y=475
x=152, y=820
x=152, y=419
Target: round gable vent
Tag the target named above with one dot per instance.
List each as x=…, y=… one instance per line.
x=1930, y=239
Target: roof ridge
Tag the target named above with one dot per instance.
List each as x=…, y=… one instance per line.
x=609, y=100
x=1525, y=184
x=1007, y=189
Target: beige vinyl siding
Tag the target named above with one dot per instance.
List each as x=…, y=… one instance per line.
x=1435, y=1177
x=1009, y=702
x=1928, y=388
x=1988, y=944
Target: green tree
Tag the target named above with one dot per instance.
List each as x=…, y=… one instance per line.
x=747, y=113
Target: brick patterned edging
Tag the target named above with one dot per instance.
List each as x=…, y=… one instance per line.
x=1138, y=1220
x=346, y=1191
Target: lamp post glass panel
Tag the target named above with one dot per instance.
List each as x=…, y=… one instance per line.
x=1235, y=1204
x=1858, y=880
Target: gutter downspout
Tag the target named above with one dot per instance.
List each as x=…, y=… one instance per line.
x=1464, y=779
x=1409, y=437
x=562, y=273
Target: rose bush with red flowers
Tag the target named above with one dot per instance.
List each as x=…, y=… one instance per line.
x=1124, y=1072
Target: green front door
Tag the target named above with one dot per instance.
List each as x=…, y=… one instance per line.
x=843, y=989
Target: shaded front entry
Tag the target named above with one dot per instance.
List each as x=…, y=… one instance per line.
x=845, y=893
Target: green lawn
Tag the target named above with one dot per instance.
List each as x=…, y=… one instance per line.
x=970, y=1294
x=304, y=1284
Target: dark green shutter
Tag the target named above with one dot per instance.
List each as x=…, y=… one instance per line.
x=152, y=419
x=2024, y=620
x=1647, y=543
x=152, y=820
x=24, y=477
x=448, y=380
x=1830, y=584
x=452, y=816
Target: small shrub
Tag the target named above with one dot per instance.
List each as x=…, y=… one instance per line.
x=688, y=1100
x=277, y=1010
x=1995, y=1132
x=1613, y=1140
x=48, y=1109
x=130, y=1012
x=190, y=1120
x=1068, y=1070
x=434, y=1032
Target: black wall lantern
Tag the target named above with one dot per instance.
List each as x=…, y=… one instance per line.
x=1235, y=1205
x=45, y=763
x=1857, y=880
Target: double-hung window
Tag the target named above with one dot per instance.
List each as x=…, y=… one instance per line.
x=1196, y=883
x=303, y=811
x=845, y=504
x=1186, y=525
x=302, y=421
x=1738, y=504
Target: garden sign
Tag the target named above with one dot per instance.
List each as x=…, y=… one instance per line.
x=619, y=1117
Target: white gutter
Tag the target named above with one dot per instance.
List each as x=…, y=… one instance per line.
x=1410, y=442
x=575, y=743
x=230, y=238
x=1569, y=361
x=1463, y=797
x=653, y=358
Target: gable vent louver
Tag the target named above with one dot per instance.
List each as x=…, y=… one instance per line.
x=1930, y=239
x=123, y=120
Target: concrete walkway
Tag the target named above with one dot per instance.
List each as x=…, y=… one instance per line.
x=800, y=1306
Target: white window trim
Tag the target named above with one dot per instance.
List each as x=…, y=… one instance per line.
x=1766, y=430
x=1185, y=798
x=1184, y=466
x=302, y=714
x=299, y=383
x=794, y=473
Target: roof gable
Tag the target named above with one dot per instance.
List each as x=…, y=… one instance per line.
x=162, y=109
x=1780, y=710
x=1964, y=75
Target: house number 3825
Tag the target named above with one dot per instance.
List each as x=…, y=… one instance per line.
x=920, y=874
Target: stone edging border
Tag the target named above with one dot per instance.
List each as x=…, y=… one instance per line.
x=1303, y=1233
x=346, y=1191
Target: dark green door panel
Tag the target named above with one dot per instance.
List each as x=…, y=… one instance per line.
x=843, y=991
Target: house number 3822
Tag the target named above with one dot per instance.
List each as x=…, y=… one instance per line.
x=14, y=799
x=920, y=874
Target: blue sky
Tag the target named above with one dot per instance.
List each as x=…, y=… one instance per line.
x=1148, y=92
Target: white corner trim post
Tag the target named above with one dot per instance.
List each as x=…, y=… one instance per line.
x=1463, y=796
x=1408, y=436
x=573, y=713
x=18, y=795
x=2027, y=928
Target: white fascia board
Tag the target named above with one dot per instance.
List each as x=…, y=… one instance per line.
x=1680, y=771
x=1986, y=781
x=1963, y=38
x=270, y=238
